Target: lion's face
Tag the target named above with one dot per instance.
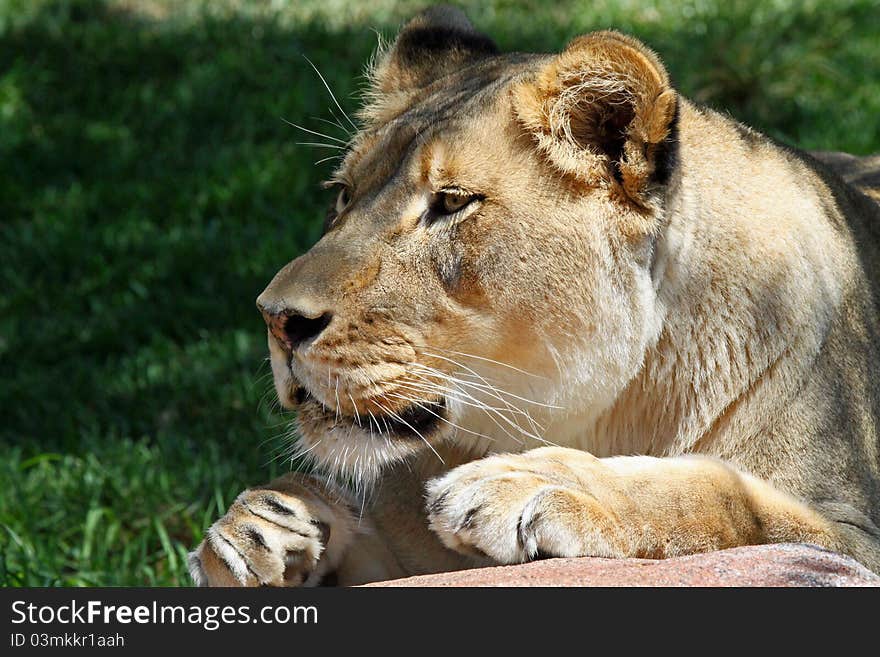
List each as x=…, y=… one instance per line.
x=466, y=289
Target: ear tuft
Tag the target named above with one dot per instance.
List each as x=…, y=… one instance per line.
x=601, y=110
x=437, y=42
x=439, y=36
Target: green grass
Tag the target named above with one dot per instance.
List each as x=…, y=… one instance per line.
x=149, y=189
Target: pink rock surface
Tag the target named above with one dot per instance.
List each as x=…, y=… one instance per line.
x=762, y=565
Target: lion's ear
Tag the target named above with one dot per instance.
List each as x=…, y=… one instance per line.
x=438, y=41
x=603, y=110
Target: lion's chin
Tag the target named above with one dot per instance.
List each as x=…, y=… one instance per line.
x=359, y=448
x=413, y=422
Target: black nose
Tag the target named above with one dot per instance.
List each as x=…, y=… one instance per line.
x=293, y=329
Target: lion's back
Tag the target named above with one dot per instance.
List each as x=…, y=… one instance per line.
x=862, y=173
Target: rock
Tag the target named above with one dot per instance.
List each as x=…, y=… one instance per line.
x=762, y=565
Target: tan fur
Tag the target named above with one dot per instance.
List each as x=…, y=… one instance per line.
x=681, y=308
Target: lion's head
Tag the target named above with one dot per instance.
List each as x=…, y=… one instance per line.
x=485, y=274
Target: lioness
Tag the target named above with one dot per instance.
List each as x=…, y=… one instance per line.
x=560, y=310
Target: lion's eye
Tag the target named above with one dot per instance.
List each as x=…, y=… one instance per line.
x=453, y=202
x=449, y=202
x=343, y=199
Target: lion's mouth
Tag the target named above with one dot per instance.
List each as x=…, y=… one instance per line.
x=416, y=421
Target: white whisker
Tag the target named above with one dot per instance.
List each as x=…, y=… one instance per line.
x=440, y=417
x=469, y=400
x=357, y=415
x=373, y=418
x=314, y=132
x=335, y=124
x=488, y=360
x=413, y=429
x=332, y=95
x=326, y=159
x=534, y=424
x=463, y=393
x=319, y=145
x=499, y=412
x=489, y=386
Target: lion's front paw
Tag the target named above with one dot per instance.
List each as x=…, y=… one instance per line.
x=272, y=537
x=514, y=508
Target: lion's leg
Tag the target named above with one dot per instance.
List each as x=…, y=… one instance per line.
x=564, y=502
x=295, y=531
